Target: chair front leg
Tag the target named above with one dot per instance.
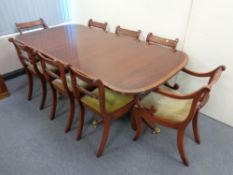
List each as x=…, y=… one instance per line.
x=44, y=92
x=138, y=124
x=180, y=145
x=106, y=125
x=70, y=114
x=81, y=120
x=195, y=128
x=30, y=84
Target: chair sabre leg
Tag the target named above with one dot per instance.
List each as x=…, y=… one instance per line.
x=70, y=114
x=54, y=103
x=138, y=124
x=81, y=121
x=104, y=137
x=180, y=145
x=30, y=85
x=44, y=92
x=195, y=128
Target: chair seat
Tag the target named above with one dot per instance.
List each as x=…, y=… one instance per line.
x=113, y=100
x=165, y=107
x=58, y=83
x=39, y=67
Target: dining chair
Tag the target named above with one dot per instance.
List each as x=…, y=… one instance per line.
x=59, y=83
x=21, y=27
x=96, y=24
x=108, y=104
x=165, y=42
x=172, y=109
x=32, y=67
x=129, y=33
x=153, y=39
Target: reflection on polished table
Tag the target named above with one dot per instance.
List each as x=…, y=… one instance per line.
x=123, y=64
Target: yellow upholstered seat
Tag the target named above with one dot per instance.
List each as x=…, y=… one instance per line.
x=39, y=67
x=113, y=100
x=58, y=83
x=168, y=108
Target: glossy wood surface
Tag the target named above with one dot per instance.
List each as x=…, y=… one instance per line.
x=122, y=64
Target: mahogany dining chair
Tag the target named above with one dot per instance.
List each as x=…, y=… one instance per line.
x=60, y=83
x=172, y=109
x=165, y=42
x=108, y=104
x=153, y=39
x=21, y=27
x=97, y=24
x=32, y=67
x=129, y=33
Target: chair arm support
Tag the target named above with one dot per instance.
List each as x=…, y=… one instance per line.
x=174, y=86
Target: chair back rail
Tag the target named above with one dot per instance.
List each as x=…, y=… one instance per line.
x=97, y=24
x=32, y=24
x=152, y=39
x=126, y=32
x=25, y=54
x=77, y=90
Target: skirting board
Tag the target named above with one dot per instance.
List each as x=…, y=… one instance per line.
x=13, y=74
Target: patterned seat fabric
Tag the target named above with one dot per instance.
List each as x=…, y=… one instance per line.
x=168, y=108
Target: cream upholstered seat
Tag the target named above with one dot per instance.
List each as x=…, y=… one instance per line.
x=58, y=83
x=166, y=107
x=38, y=64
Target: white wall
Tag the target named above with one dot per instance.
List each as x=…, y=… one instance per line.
x=8, y=58
x=166, y=18
x=204, y=29
x=209, y=43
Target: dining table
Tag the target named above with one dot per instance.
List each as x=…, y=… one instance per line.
x=123, y=64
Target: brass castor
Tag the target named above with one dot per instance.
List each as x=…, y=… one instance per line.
x=156, y=130
x=94, y=123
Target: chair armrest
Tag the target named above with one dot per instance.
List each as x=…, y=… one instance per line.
x=203, y=74
x=181, y=96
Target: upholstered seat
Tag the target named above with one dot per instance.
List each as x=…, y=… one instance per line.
x=166, y=107
x=58, y=83
x=39, y=67
x=113, y=100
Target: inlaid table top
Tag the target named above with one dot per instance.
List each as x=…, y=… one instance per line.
x=123, y=64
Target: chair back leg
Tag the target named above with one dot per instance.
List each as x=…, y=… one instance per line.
x=70, y=116
x=195, y=128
